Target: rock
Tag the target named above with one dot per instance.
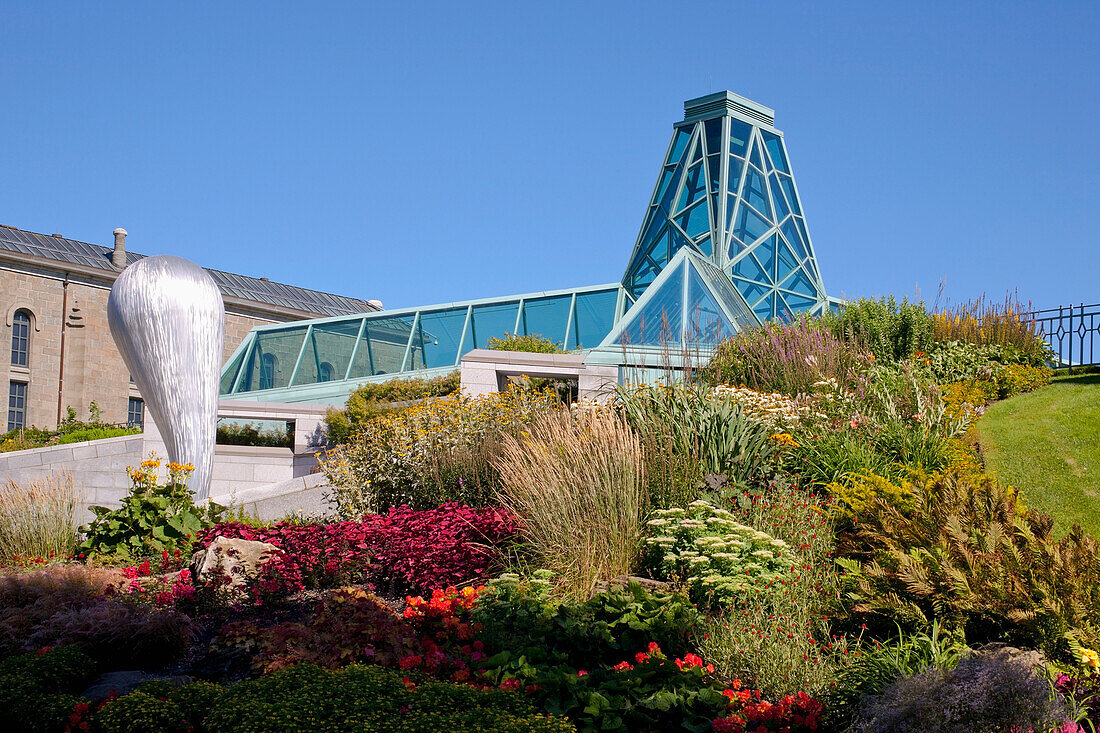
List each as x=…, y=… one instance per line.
x=124, y=682
x=237, y=559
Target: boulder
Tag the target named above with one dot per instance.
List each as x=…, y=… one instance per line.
x=236, y=559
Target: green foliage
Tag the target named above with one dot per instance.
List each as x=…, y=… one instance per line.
x=249, y=434
x=875, y=666
x=716, y=432
x=716, y=556
x=38, y=690
x=532, y=343
x=369, y=699
x=374, y=398
x=152, y=518
x=969, y=556
x=889, y=329
x=520, y=619
x=860, y=491
x=139, y=712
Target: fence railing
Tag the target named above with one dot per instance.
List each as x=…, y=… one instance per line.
x=1073, y=332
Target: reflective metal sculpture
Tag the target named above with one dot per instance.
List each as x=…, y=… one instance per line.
x=168, y=320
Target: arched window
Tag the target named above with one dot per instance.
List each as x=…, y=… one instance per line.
x=20, y=337
x=324, y=372
x=268, y=364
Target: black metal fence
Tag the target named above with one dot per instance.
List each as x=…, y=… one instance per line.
x=1073, y=332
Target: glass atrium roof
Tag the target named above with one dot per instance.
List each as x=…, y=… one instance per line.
x=726, y=191
x=328, y=357
x=723, y=246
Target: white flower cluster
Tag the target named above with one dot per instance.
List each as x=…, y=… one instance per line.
x=714, y=554
x=772, y=408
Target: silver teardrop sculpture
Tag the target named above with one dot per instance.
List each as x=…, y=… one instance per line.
x=168, y=320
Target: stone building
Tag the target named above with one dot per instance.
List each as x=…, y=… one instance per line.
x=53, y=300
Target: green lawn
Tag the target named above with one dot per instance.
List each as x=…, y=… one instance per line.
x=1047, y=444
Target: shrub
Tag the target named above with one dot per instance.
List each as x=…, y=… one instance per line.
x=578, y=487
x=370, y=400
x=890, y=330
x=38, y=519
x=967, y=556
x=775, y=634
x=249, y=434
x=432, y=452
x=859, y=492
x=1000, y=324
x=1019, y=378
x=711, y=428
x=966, y=399
x=452, y=544
x=38, y=691
x=532, y=343
x=875, y=666
x=788, y=358
x=153, y=518
x=349, y=625
x=519, y=618
x=29, y=600
x=717, y=557
x=139, y=712
x=998, y=690
x=370, y=699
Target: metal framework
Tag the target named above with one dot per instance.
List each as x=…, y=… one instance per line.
x=723, y=246
x=726, y=191
x=1073, y=333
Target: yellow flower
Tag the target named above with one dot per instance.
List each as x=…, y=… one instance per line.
x=1090, y=659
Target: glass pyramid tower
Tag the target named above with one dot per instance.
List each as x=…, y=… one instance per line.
x=726, y=192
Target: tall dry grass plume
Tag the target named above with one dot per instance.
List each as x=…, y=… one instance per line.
x=579, y=486
x=983, y=321
x=38, y=518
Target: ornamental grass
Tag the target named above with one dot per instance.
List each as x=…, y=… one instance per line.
x=985, y=322
x=578, y=486
x=37, y=520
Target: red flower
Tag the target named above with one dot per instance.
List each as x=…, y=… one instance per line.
x=622, y=666
x=510, y=684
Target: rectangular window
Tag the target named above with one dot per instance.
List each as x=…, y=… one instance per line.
x=135, y=413
x=20, y=337
x=17, y=405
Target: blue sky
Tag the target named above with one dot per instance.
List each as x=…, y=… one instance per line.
x=429, y=152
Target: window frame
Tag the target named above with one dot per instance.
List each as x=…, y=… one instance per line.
x=17, y=414
x=22, y=320
x=140, y=412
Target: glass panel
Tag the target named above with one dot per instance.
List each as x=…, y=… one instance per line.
x=756, y=158
x=229, y=373
x=731, y=207
x=782, y=310
x=659, y=250
x=788, y=188
x=805, y=235
x=765, y=254
x=659, y=321
x=787, y=263
x=383, y=347
x=781, y=208
x=697, y=153
x=271, y=359
x=751, y=291
x=20, y=338
x=750, y=226
x=643, y=277
x=739, y=136
x=800, y=283
x=706, y=323
x=680, y=141
x=593, y=318
x=440, y=333
x=733, y=175
x=722, y=288
x=798, y=304
x=696, y=221
x=748, y=268
x=703, y=246
x=755, y=193
x=676, y=241
x=713, y=130
x=666, y=176
x=329, y=343
x=794, y=238
x=714, y=172
x=495, y=320
x=666, y=200
x=547, y=317
x=775, y=151
x=693, y=188
x=765, y=309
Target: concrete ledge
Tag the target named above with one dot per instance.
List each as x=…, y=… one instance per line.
x=303, y=495
x=253, y=451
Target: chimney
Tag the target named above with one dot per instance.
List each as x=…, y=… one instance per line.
x=118, y=257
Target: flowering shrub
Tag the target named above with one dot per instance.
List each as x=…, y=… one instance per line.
x=859, y=492
x=1004, y=325
x=416, y=549
x=38, y=690
x=152, y=517
x=776, y=409
x=370, y=400
x=435, y=451
x=717, y=556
